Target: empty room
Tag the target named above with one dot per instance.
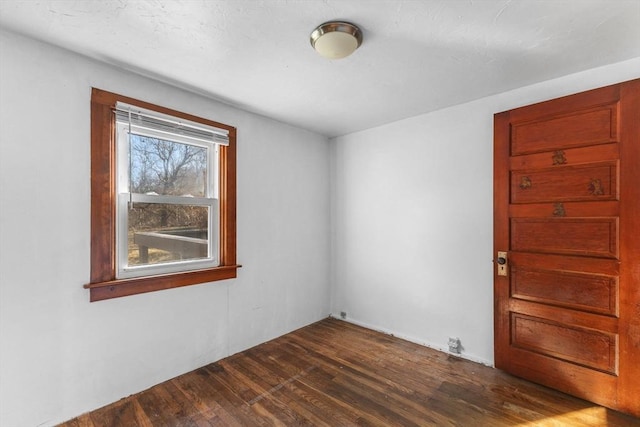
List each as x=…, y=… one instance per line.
x=319, y=212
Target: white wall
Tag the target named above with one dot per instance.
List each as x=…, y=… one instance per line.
x=410, y=226
x=60, y=355
x=412, y=218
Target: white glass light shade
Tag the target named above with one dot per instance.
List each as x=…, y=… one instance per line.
x=335, y=40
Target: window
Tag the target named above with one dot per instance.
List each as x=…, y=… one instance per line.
x=167, y=194
x=162, y=198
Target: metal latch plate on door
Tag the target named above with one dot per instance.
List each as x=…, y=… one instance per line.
x=502, y=263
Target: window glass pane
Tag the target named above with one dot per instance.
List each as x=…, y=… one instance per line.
x=160, y=233
x=159, y=166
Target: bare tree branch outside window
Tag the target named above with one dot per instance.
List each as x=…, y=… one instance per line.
x=163, y=167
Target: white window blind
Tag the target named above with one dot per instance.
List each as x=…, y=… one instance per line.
x=144, y=119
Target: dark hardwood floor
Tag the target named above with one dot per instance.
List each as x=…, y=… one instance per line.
x=333, y=373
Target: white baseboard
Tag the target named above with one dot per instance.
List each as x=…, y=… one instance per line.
x=443, y=349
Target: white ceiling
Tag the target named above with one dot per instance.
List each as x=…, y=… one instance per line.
x=417, y=56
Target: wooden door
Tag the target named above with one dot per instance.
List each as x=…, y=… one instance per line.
x=567, y=214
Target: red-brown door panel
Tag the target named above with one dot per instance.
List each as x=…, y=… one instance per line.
x=597, y=237
x=593, y=293
x=578, y=129
x=567, y=157
x=582, y=346
x=592, y=182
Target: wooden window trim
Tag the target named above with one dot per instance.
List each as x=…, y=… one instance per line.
x=103, y=283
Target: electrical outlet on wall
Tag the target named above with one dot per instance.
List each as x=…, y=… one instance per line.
x=454, y=345
x=343, y=314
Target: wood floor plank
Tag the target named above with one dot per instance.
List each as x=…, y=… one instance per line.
x=308, y=397
x=156, y=408
x=372, y=384
x=334, y=373
x=81, y=421
x=211, y=397
x=179, y=408
x=118, y=414
x=271, y=382
x=265, y=402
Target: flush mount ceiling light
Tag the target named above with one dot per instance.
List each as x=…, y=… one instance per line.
x=336, y=39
